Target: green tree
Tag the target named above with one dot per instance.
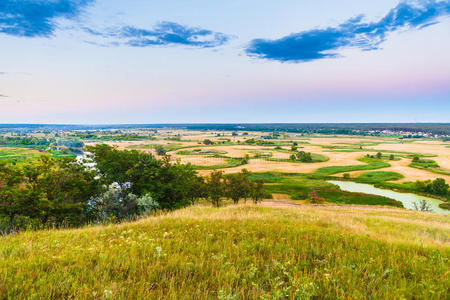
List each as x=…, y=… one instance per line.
x=215, y=188
x=438, y=187
x=379, y=155
x=48, y=190
x=422, y=185
x=58, y=190
x=237, y=186
x=176, y=185
x=304, y=156
x=10, y=192
x=172, y=185
x=257, y=192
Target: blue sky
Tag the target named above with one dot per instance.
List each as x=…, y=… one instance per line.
x=141, y=61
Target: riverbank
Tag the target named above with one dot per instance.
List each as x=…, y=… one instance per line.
x=407, y=199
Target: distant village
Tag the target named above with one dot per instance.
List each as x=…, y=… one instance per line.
x=404, y=134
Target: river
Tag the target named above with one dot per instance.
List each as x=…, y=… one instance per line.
x=407, y=199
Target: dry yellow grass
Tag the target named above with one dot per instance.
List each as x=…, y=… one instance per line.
x=398, y=225
x=200, y=160
x=192, y=139
x=262, y=165
x=245, y=252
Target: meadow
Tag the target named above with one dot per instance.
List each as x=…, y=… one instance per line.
x=14, y=155
x=236, y=252
x=17, y=155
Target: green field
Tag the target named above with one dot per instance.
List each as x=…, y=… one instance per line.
x=371, y=164
x=378, y=177
x=20, y=155
x=315, y=158
x=429, y=165
x=299, y=186
x=201, y=152
x=17, y=154
x=242, y=252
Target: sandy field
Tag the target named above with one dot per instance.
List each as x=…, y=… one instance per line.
x=192, y=140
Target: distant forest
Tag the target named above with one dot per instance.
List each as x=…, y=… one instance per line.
x=325, y=128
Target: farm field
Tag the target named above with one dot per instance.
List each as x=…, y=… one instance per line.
x=269, y=251
x=387, y=162
x=338, y=151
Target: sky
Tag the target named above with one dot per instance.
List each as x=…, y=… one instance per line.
x=203, y=61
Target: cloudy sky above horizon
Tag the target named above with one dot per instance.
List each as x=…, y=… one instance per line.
x=145, y=61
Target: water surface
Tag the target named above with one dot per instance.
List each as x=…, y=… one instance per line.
x=407, y=199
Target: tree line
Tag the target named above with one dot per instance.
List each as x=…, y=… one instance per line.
x=436, y=187
x=25, y=141
x=109, y=185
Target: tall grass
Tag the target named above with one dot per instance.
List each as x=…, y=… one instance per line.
x=236, y=253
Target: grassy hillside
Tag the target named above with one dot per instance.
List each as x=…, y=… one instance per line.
x=237, y=253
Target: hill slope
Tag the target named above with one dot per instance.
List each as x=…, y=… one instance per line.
x=236, y=252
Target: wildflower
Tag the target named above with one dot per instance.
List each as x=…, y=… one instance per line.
x=108, y=294
x=159, y=252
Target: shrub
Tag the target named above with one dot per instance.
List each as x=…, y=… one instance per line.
x=423, y=205
x=315, y=199
x=160, y=150
x=146, y=204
